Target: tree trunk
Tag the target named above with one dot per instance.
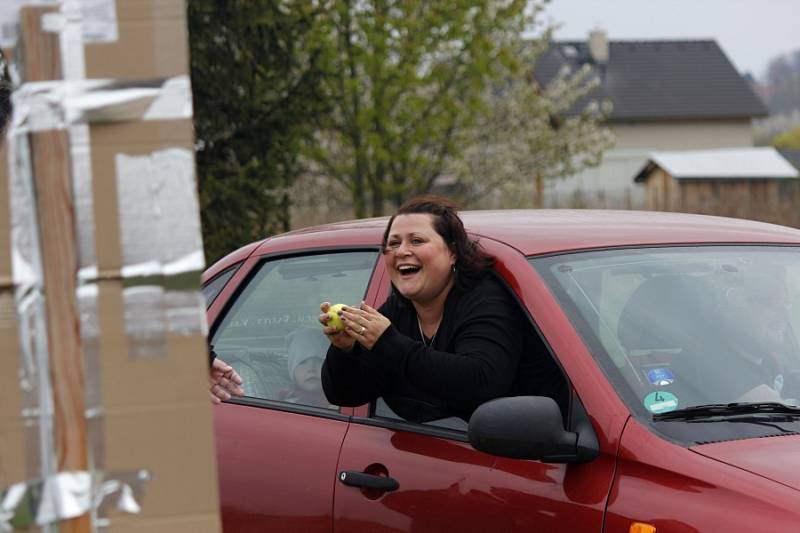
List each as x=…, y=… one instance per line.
x=377, y=201
x=359, y=200
x=538, y=196
x=286, y=216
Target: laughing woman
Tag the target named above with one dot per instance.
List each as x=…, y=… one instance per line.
x=450, y=336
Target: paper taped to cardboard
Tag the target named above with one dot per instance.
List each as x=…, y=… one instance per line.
x=82, y=198
x=159, y=213
x=98, y=20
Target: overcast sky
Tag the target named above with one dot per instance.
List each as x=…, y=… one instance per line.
x=750, y=32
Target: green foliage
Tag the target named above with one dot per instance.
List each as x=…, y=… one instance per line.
x=531, y=134
x=372, y=101
x=788, y=140
x=407, y=78
x=422, y=90
x=256, y=73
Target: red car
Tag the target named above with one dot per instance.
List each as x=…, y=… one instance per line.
x=677, y=335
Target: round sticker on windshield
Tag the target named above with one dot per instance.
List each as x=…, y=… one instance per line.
x=661, y=402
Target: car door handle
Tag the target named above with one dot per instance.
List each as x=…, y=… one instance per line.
x=368, y=481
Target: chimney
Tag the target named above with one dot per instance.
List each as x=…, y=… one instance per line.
x=598, y=46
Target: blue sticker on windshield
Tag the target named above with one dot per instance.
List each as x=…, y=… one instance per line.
x=660, y=376
x=660, y=402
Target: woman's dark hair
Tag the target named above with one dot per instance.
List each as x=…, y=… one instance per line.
x=472, y=261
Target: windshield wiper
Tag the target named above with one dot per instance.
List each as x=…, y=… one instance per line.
x=728, y=411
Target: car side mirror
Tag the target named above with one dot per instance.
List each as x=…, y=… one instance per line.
x=530, y=427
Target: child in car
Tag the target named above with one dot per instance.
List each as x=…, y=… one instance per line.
x=307, y=348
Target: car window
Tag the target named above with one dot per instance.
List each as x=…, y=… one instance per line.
x=212, y=289
x=271, y=334
x=679, y=327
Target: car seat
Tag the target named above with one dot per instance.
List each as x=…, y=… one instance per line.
x=664, y=321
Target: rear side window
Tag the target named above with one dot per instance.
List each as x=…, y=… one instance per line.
x=212, y=289
x=271, y=334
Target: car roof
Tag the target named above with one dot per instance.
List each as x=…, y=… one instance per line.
x=548, y=231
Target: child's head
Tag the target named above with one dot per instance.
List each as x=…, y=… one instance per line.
x=307, y=348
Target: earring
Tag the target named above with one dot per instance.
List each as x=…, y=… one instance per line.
x=454, y=268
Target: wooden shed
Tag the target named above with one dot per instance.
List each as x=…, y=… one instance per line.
x=753, y=183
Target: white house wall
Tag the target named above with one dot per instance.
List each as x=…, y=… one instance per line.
x=684, y=135
x=611, y=184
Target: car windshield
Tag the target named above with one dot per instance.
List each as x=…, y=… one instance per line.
x=687, y=326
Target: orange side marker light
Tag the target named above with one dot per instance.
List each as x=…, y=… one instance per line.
x=639, y=527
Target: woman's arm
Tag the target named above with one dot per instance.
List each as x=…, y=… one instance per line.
x=354, y=378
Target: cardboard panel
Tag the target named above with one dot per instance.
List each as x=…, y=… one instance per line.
x=173, y=443
x=153, y=42
x=187, y=524
x=147, y=383
x=155, y=413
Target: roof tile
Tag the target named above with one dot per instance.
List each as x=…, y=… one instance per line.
x=659, y=80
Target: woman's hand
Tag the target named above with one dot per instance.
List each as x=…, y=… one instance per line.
x=365, y=325
x=341, y=339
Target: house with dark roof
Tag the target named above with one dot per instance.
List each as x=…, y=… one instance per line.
x=666, y=95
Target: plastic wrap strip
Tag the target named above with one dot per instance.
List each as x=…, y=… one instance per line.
x=78, y=17
x=145, y=323
x=26, y=261
x=37, y=401
x=159, y=213
x=82, y=197
x=154, y=305
x=47, y=105
x=71, y=37
x=186, y=313
x=86, y=296
x=151, y=313
x=67, y=495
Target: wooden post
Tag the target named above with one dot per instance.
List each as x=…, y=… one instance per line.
x=538, y=196
x=51, y=167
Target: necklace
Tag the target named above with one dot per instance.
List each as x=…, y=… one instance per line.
x=422, y=334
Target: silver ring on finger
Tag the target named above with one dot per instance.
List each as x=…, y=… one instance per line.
x=363, y=329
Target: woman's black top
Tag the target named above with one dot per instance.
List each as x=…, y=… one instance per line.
x=480, y=352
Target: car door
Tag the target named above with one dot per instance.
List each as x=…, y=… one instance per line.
x=277, y=447
x=443, y=484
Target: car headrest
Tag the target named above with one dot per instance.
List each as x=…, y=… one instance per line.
x=664, y=313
